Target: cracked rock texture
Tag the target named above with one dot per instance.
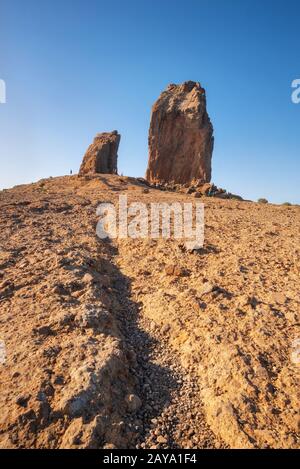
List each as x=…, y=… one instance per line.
x=102, y=154
x=180, y=136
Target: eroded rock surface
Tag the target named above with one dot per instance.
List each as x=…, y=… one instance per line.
x=102, y=154
x=180, y=136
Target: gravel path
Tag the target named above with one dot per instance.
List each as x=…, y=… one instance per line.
x=171, y=412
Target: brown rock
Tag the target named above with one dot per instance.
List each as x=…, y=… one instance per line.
x=170, y=269
x=88, y=278
x=23, y=400
x=102, y=154
x=109, y=446
x=178, y=271
x=180, y=136
x=161, y=439
x=205, y=189
x=174, y=270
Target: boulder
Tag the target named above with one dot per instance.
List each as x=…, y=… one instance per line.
x=180, y=136
x=207, y=189
x=102, y=154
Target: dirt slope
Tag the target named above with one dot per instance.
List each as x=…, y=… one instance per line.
x=108, y=345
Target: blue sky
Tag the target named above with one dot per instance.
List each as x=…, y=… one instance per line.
x=77, y=67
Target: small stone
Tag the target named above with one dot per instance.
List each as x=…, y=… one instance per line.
x=23, y=400
x=261, y=372
x=88, y=278
x=161, y=439
x=109, y=446
x=134, y=403
x=170, y=269
x=178, y=272
x=165, y=328
x=77, y=294
x=195, y=305
x=174, y=270
x=207, y=288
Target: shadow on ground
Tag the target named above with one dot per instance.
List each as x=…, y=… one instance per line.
x=154, y=382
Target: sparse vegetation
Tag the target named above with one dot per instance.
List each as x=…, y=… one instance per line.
x=287, y=204
x=262, y=201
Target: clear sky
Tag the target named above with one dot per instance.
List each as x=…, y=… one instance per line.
x=77, y=67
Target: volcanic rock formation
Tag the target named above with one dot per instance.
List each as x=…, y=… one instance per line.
x=180, y=136
x=102, y=154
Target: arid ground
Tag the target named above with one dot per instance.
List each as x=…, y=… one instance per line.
x=142, y=343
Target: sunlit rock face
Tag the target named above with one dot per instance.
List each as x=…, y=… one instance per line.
x=102, y=154
x=180, y=136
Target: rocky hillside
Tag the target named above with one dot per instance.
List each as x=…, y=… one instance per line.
x=141, y=343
